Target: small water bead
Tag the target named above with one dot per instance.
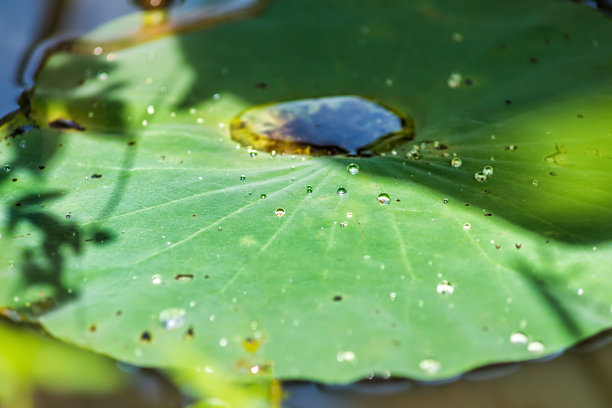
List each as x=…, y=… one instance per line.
x=308, y=189
x=172, y=319
x=243, y=177
x=384, y=198
x=480, y=177
x=156, y=280
x=7, y=168
x=102, y=76
x=487, y=171
x=518, y=338
x=150, y=109
x=454, y=80
x=430, y=366
x=345, y=356
x=279, y=212
x=445, y=288
x=535, y=347
x=467, y=226
x=252, y=152
x=535, y=183
x=341, y=191
x=353, y=168
x=263, y=196
x=456, y=162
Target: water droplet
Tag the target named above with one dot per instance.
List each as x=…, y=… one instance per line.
x=322, y=126
x=467, y=226
x=172, y=318
x=456, y=162
x=7, y=168
x=384, y=198
x=445, y=201
x=580, y=292
x=308, y=189
x=263, y=196
x=343, y=224
x=445, y=288
x=392, y=295
x=223, y=342
x=487, y=171
x=243, y=177
x=480, y=177
x=156, y=279
x=252, y=152
x=353, y=168
x=68, y=216
x=454, y=80
x=22, y=144
x=535, y=347
x=341, y=191
x=518, y=338
x=349, y=215
x=343, y=356
x=102, y=76
x=279, y=212
x=430, y=366
x=535, y=183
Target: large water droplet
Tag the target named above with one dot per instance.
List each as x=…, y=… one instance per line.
x=7, y=168
x=480, y=177
x=341, y=191
x=156, y=279
x=536, y=347
x=518, y=338
x=279, y=212
x=172, y=318
x=263, y=196
x=430, y=366
x=308, y=189
x=487, y=171
x=445, y=288
x=353, y=168
x=322, y=126
x=384, y=198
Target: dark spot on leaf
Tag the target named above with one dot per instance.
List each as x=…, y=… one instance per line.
x=468, y=81
x=497, y=246
x=145, y=337
x=518, y=246
x=193, y=215
x=488, y=215
x=487, y=191
x=337, y=298
x=485, y=328
x=508, y=102
x=261, y=85
x=552, y=173
x=93, y=328
x=131, y=143
x=184, y=276
x=533, y=60
x=18, y=204
x=206, y=276
x=96, y=176
x=66, y=124
x=398, y=200
x=467, y=204
x=14, y=179
x=396, y=343
x=41, y=167
x=118, y=313
x=190, y=333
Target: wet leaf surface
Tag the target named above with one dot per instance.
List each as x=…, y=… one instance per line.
x=410, y=266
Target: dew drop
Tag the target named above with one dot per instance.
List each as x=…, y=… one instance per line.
x=445, y=288
x=7, y=168
x=341, y=191
x=156, y=279
x=223, y=342
x=172, y=318
x=308, y=189
x=487, y=171
x=150, y=109
x=467, y=226
x=518, y=338
x=243, y=177
x=430, y=366
x=263, y=196
x=353, y=168
x=343, y=356
x=279, y=212
x=480, y=177
x=454, y=80
x=102, y=76
x=384, y=198
x=456, y=162
x=535, y=183
x=535, y=347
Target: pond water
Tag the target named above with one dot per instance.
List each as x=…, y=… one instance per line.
x=579, y=377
